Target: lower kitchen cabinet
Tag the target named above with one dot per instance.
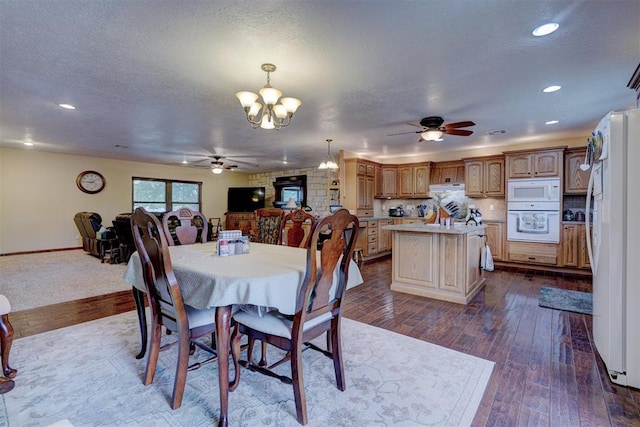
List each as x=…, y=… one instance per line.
x=533, y=253
x=574, y=246
x=495, y=239
x=384, y=236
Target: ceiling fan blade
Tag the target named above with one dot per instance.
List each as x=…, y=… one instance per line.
x=461, y=132
x=405, y=133
x=231, y=167
x=459, y=124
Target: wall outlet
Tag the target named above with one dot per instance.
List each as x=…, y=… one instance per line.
x=492, y=207
x=384, y=208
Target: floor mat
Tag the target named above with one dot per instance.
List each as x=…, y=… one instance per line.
x=562, y=299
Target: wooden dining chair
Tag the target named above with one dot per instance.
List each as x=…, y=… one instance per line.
x=166, y=304
x=318, y=309
x=296, y=228
x=268, y=222
x=184, y=227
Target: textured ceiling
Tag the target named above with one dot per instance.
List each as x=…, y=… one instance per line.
x=156, y=80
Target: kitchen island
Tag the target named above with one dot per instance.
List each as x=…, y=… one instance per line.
x=436, y=261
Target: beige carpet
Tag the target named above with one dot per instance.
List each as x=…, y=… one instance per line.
x=35, y=280
x=87, y=374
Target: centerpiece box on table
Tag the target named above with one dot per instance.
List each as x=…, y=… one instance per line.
x=232, y=242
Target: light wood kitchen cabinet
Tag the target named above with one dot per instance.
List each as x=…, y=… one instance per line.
x=389, y=181
x=359, y=186
x=437, y=265
x=534, y=163
x=447, y=172
x=484, y=177
x=532, y=253
x=575, y=179
x=377, y=179
x=372, y=238
x=413, y=180
x=574, y=246
x=384, y=236
x=495, y=239
x=244, y=221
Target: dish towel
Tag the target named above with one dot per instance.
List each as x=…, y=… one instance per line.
x=486, y=259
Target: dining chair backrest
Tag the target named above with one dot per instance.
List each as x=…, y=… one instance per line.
x=296, y=228
x=315, y=297
x=163, y=291
x=184, y=226
x=268, y=222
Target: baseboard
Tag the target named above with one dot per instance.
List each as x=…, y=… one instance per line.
x=40, y=251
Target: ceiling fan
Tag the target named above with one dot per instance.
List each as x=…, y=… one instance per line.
x=217, y=166
x=433, y=128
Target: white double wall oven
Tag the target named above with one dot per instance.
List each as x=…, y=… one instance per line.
x=533, y=210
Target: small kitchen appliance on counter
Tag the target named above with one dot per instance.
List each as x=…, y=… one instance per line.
x=397, y=211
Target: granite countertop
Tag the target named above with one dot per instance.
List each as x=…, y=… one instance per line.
x=457, y=228
x=376, y=218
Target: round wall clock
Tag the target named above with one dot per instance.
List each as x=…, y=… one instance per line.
x=91, y=182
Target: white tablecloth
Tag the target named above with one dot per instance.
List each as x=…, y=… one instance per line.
x=268, y=275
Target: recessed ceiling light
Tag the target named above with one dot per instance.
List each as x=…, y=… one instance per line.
x=28, y=143
x=67, y=106
x=184, y=162
x=550, y=89
x=545, y=29
x=551, y=122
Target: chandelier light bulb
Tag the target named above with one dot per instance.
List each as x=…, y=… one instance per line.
x=431, y=135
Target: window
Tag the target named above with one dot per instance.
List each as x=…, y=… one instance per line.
x=164, y=195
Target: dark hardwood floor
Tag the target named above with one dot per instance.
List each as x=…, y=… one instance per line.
x=546, y=370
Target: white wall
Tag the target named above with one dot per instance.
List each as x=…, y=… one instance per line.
x=39, y=196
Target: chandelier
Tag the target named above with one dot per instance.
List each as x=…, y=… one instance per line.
x=274, y=115
x=328, y=163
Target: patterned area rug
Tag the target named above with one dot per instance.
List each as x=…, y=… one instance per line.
x=562, y=299
x=87, y=374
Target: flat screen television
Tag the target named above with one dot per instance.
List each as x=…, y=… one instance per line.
x=245, y=199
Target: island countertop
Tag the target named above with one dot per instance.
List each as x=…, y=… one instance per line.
x=418, y=227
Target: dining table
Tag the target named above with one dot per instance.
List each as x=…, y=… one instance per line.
x=268, y=277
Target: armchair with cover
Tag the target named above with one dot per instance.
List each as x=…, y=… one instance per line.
x=166, y=304
x=318, y=309
x=88, y=223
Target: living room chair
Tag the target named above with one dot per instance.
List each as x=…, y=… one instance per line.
x=296, y=228
x=184, y=226
x=122, y=227
x=268, y=222
x=318, y=309
x=6, y=339
x=88, y=223
x=166, y=305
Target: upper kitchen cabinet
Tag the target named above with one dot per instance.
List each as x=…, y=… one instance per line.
x=534, y=163
x=447, y=173
x=388, y=181
x=484, y=176
x=413, y=180
x=359, y=186
x=575, y=179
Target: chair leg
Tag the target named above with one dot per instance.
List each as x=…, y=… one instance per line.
x=6, y=339
x=263, y=357
x=138, y=298
x=181, y=369
x=154, y=351
x=336, y=350
x=298, y=385
x=235, y=356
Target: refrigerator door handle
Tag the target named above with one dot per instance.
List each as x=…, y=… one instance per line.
x=587, y=221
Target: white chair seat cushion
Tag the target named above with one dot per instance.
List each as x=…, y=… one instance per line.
x=199, y=317
x=5, y=306
x=275, y=323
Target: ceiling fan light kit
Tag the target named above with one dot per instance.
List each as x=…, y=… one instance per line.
x=274, y=115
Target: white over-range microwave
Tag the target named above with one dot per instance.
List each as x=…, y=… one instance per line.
x=533, y=190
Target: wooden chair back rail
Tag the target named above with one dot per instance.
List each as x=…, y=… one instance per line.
x=296, y=228
x=184, y=227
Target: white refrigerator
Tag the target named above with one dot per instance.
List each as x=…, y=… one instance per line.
x=614, y=249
